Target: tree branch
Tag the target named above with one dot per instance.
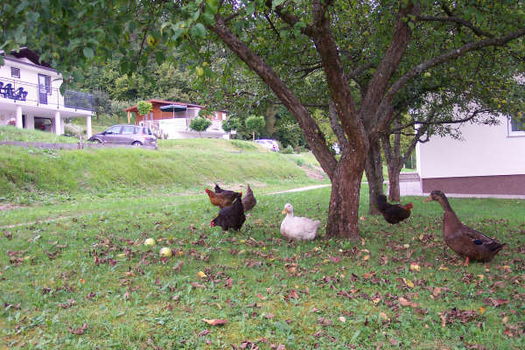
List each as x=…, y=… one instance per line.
x=382, y=117
x=272, y=26
x=335, y=77
x=457, y=20
x=312, y=132
x=289, y=18
x=387, y=67
x=336, y=127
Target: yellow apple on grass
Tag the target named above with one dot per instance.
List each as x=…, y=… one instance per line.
x=165, y=252
x=150, y=242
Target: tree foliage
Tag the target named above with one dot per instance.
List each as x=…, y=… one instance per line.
x=144, y=107
x=255, y=124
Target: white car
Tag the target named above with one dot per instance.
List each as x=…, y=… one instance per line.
x=272, y=145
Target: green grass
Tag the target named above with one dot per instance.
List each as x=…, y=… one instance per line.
x=92, y=269
x=10, y=133
x=28, y=175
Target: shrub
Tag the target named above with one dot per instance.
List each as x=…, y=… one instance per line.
x=200, y=124
x=287, y=150
x=144, y=107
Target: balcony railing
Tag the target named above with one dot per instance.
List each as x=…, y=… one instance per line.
x=16, y=90
x=78, y=100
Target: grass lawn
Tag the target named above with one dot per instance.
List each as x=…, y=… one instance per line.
x=88, y=282
x=30, y=175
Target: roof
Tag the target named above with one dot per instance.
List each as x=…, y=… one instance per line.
x=31, y=55
x=165, y=103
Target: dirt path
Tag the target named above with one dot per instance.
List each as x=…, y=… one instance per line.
x=299, y=189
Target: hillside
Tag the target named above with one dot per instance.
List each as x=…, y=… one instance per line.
x=178, y=165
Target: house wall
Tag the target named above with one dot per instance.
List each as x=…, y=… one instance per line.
x=159, y=114
x=29, y=80
x=22, y=109
x=487, y=160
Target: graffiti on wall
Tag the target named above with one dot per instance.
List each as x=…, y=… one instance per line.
x=8, y=91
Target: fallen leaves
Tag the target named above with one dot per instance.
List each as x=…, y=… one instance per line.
x=415, y=267
x=405, y=302
x=495, y=302
x=292, y=294
x=324, y=321
x=67, y=304
x=215, y=322
x=80, y=330
x=408, y=283
x=456, y=315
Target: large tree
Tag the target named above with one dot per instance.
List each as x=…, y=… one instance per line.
x=392, y=42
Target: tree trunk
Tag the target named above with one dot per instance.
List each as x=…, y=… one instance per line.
x=374, y=175
x=394, y=192
x=394, y=161
x=271, y=119
x=343, y=212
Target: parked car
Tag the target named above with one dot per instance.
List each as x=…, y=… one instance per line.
x=127, y=135
x=272, y=145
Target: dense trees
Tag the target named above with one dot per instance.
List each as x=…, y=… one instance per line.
x=354, y=60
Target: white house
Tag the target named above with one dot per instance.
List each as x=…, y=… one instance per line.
x=30, y=95
x=488, y=161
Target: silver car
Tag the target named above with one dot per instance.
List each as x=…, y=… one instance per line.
x=269, y=144
x=127, y=135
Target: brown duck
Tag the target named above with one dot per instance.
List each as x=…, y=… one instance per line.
x=465, y=241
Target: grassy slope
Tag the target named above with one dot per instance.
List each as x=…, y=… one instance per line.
x=182, y=165
x=293, y=294
x=10, y=133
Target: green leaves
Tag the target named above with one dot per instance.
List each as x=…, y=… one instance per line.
x=88, y=53
x=212, y=6
x=276, y=3
x=198, y=31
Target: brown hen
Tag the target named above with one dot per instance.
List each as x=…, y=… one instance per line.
x=223, y=199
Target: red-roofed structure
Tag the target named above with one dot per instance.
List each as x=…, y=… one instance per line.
x=171, y=119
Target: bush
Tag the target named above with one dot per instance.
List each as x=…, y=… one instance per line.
x=287, y=150
x=200, y=124
x=144, y=107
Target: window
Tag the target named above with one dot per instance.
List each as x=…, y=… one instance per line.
x=128, y=130
x=15, y=72
x=113, y=130
x=517, y=126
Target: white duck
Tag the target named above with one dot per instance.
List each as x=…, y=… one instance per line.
x=296, y=227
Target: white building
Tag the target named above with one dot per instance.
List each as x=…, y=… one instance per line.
x=488, y=161
x=30, y=95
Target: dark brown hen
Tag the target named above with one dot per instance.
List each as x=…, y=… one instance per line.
x=393, y=213
x=231, y=217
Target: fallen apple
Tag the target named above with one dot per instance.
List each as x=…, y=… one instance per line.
x=165, y=252
x=150, y=242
